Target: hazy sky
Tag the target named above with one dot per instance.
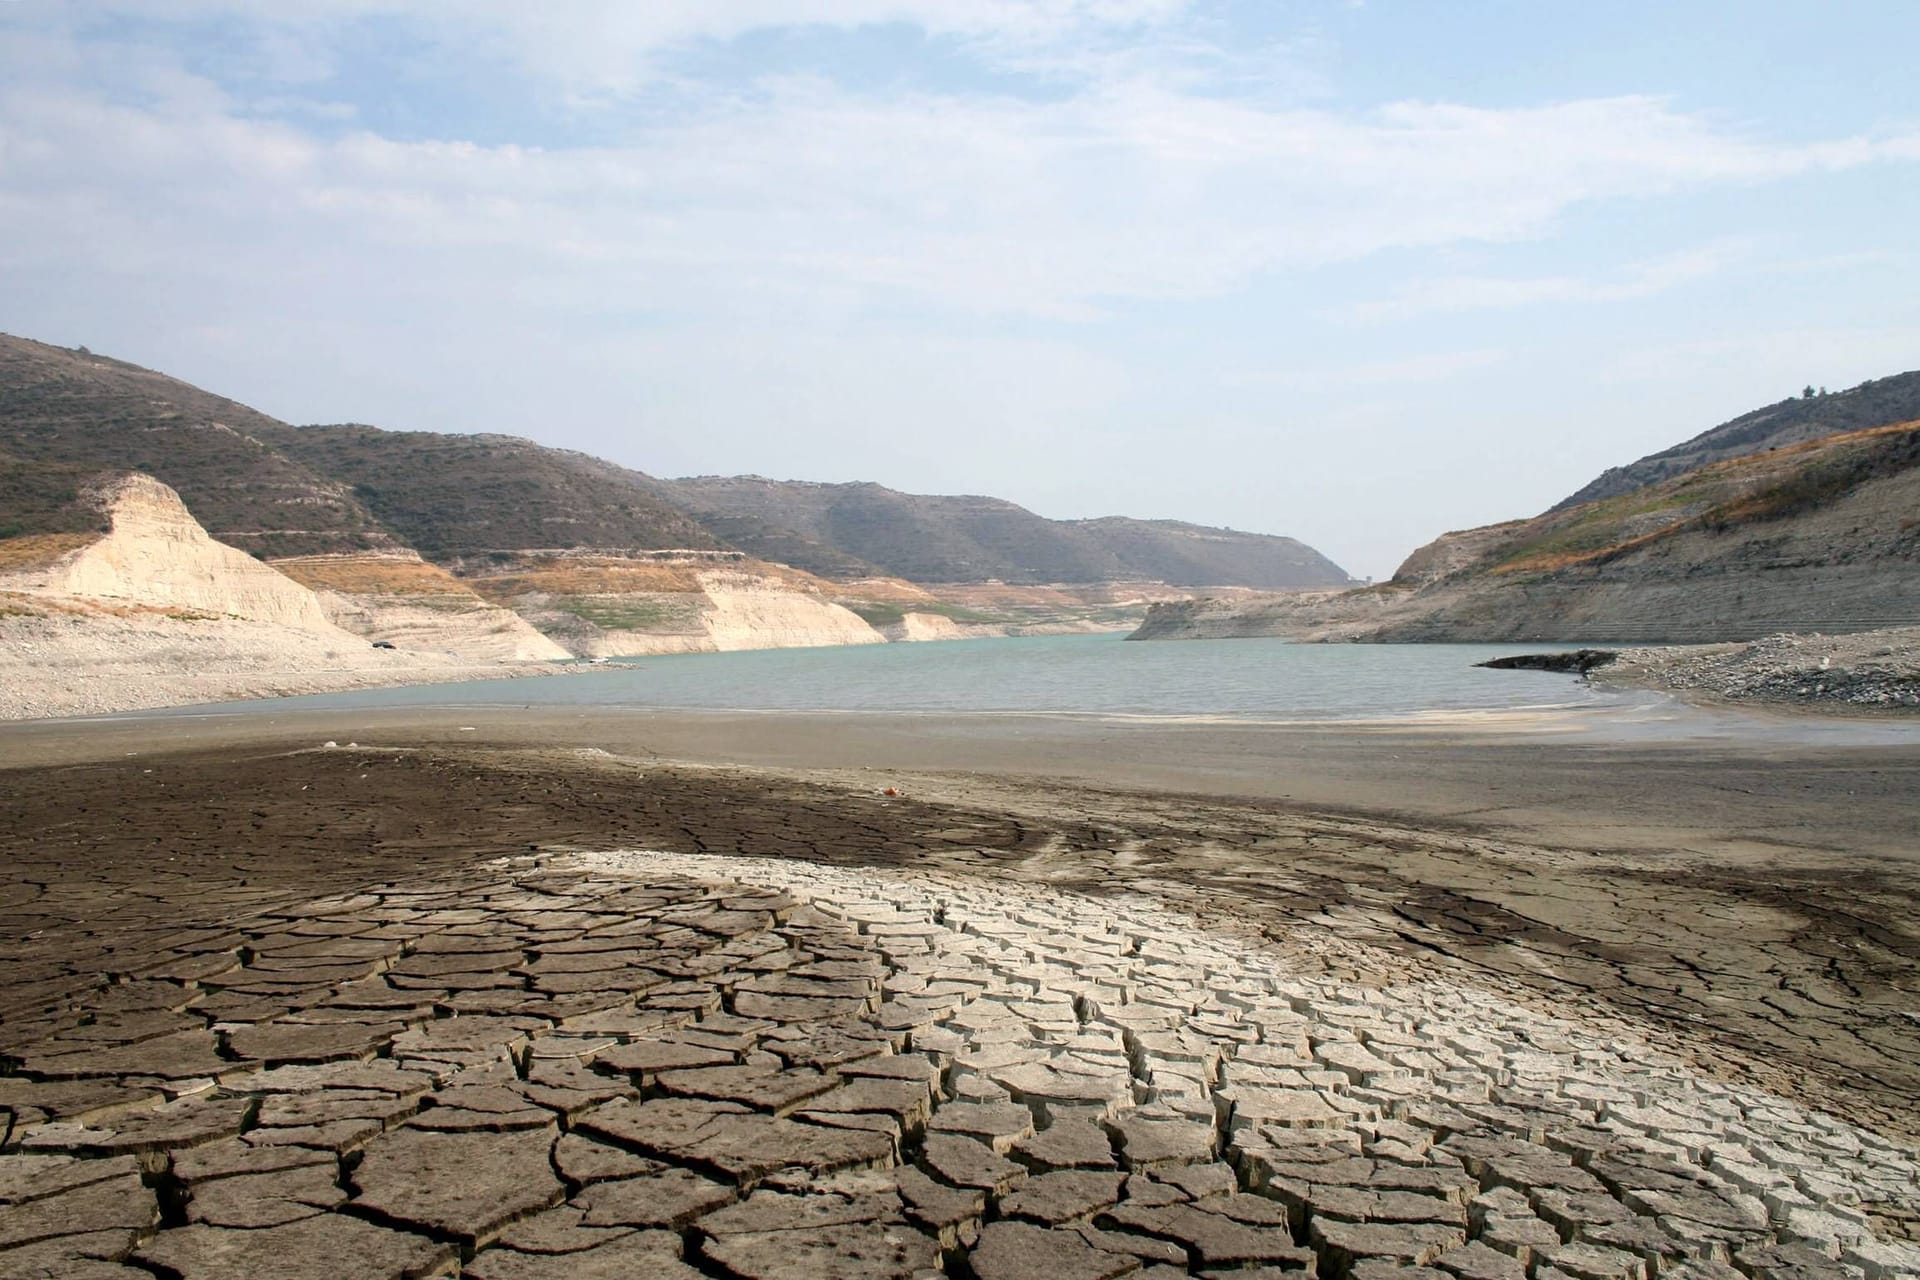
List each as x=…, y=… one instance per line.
x=1359, y=273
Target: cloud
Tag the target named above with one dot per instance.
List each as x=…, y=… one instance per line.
x=587, y=48
x=1477, y=293
x=804, y=190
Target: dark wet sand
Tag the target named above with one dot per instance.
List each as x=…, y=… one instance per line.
x=1754, y=904
x=1525, y=777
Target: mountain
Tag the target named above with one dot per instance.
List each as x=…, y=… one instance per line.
x=856, y=530
x=1876, y=403
x=1822, y=535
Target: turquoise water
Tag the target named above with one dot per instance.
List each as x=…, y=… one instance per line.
x=1253, y=679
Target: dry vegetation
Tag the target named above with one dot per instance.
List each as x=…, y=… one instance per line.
x=1722, y=495
x=36, y=551
x=373, y=575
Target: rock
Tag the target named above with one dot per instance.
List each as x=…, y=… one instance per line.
x=962, y=1162
x=328, y=1247
x=465, y=1185
x=855, y=1251
x=1578, y=661
x=667, y=1198
x=1017, y=1251
x=1066, y=1196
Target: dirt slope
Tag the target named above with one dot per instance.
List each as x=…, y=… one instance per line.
x=1821, y=536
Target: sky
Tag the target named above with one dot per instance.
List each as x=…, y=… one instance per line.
x=1359, y=273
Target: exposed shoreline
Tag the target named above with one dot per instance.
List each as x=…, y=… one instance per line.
x=1675, y=884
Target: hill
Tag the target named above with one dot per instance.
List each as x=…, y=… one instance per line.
x=1879, y=402
x=470, y=501
x=1823, y=536
x=67, y=417
x=456, y=497
x=857, y=530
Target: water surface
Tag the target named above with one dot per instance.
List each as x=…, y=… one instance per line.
x=1086, y=675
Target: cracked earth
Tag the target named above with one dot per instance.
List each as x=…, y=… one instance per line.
x=900, y=1039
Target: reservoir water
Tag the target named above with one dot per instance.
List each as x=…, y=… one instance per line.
x=1080, y=674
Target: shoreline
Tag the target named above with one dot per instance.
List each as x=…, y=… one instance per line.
x=1737, y=793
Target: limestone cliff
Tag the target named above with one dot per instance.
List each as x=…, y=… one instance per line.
x=398, y=598
x=745, y=611
x=157, y=556
x=603, y=606
x=153, y=612
x=928, y=626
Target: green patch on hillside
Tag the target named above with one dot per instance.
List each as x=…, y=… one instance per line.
x=631, y=613
x=889, y=613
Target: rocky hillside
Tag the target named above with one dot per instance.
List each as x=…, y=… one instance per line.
x=67, y=417
x=1818, y=536
x=460, y=497
x=857, y=530
x=1880, y=402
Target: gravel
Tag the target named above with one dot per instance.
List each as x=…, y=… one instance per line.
x=1870, y=669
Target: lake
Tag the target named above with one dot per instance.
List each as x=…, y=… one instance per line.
x=1079, y=674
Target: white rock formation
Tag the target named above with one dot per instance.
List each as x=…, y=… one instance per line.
x=927, y=626
x=398, y=598
x=157, y=556
x=746, y=612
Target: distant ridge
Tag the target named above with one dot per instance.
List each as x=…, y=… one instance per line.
x=845, y=530
x=467, y=501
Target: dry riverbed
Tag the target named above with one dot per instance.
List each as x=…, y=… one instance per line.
x=538, y=1010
